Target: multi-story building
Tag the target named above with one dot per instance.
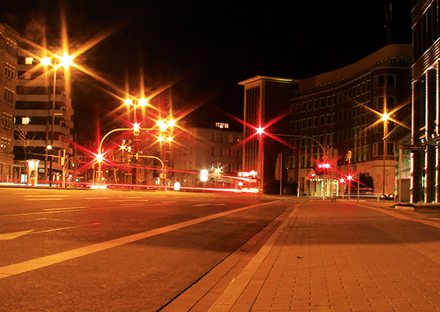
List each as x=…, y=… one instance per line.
x=44, y=115
x=337, y=118
x=425, y=182
x=8, y=81
x=217, y=149
x=265, y=107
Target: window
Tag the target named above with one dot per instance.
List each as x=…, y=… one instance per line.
x=221, y=125
x=391, y=81
x=380, y=81
x=292, y=126
x=230, y=138
x=28, y=60
x=221, y=152
x=213, y=137
x=212, y=151
x=221, y=137
x=25, y=120
x=291, y=162
x=392, y=61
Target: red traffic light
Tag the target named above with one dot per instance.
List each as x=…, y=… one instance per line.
x=324, y=166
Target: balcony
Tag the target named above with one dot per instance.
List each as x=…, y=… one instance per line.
x=42, y=98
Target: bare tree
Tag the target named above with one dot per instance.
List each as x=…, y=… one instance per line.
x=26, y=140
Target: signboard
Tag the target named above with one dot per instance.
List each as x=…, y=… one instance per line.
x=412, y=147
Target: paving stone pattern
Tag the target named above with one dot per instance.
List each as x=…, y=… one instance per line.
x=336, y=256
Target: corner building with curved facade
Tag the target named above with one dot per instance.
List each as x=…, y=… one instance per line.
x=342, y=110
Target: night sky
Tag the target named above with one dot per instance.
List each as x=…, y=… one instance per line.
x=204, y=48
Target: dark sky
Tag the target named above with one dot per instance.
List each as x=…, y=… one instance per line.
x=204, y=48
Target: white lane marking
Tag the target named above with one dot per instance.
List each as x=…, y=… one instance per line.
x=201, y=205
x=66, y=208
x=45, y=196
x=124, y=200
x=13, y=235
x=35, y=199
x=93, y=198
x=42, y=262
x=65, y=228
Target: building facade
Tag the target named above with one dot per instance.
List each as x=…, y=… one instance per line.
x=217, y=149
x=44, y=116
x=337, y=119
x=8, y=81
x=425, y=182
x=334, y=119
x=265, y=107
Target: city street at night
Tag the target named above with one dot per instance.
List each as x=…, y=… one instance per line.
x=83, y=250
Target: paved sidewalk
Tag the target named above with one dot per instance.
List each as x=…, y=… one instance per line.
x=322, y=256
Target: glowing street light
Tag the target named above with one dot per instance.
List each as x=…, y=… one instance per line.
x=64, y=61
x=385, y=118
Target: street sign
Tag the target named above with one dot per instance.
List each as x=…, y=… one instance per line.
x=412, y=147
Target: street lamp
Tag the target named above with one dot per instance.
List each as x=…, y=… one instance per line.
x=63, y=61
x=384, y=118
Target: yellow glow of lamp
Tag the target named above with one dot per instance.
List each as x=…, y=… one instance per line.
x=171, y=123
x=162, y=125
x=128, y=102
x=45, y=61
x=65, y=60
x=385, y=117
x=143, y=102
x=99, y=158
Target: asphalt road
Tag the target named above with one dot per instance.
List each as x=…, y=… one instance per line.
x=83, y=250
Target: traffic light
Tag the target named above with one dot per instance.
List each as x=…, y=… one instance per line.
x=324, y=166
x=136, y=129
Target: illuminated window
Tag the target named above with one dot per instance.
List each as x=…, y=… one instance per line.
x=25, y=120
x=28, y=60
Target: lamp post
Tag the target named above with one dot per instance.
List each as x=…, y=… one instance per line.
x=63, y=61
x=136, y=103
x=384, y=118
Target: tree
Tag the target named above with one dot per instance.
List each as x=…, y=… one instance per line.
x=26, y=139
